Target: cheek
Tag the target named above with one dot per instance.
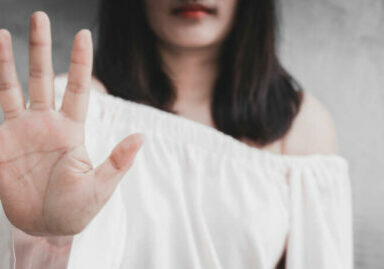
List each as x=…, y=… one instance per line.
x=156, y=12
x=226, y=18
x=157, y=17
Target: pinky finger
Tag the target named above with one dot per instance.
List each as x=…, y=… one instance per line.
x=11, y=96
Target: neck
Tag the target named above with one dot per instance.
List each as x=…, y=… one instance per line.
x=192, y=71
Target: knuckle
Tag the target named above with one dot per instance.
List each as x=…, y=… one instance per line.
x=5, y=60
x=37, y=43
x=8, y=85
x=82, y=63
x=77, y=87
x=114, y=161
x=39, y=105
x=12, y=113
x=38, y=72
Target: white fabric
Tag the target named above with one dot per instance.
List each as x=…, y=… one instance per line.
x=197, y=198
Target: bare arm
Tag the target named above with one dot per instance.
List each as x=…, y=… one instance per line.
x=313, y=130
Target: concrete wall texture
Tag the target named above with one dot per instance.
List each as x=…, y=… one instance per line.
x=335, y=48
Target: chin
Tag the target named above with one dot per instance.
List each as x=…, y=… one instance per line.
x=193, y=44
x=193, y=40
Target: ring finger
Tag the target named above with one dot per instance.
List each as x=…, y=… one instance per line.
x=41, y=73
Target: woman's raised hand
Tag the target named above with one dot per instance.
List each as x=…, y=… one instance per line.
x=47, y=183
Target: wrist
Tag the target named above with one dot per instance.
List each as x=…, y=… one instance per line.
x=58, y=242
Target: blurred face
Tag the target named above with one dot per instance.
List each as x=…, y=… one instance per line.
x=190, y=24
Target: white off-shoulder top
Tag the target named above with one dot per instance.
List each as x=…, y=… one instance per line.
x=197, y=198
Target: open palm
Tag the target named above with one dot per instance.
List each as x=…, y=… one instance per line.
x=47, y=183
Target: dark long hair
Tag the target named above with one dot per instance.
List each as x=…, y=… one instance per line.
x=254, y=97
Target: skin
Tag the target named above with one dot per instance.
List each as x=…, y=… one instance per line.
x=47, y=183
x=189, y=50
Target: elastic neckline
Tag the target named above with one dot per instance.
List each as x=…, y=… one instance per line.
x=192, y=132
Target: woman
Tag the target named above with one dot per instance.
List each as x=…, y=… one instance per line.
x=197, y=196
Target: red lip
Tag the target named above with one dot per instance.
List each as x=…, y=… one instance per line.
x=192, y=10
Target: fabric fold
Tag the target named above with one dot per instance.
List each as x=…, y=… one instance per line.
x=198, y=198
x=320, y=234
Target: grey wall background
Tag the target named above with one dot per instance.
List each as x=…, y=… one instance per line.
x=335, y=48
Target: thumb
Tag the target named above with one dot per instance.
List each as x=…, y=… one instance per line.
x=111, y=171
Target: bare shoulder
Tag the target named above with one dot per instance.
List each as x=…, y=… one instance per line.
x=312, y=131
x=96, y=84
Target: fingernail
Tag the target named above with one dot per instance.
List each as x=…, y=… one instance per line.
x=4, y=34
x=38, y=19
x=84, y=36
x=5, y=39
x=86, y=33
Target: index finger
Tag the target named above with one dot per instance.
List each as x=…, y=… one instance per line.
x=75, y=100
